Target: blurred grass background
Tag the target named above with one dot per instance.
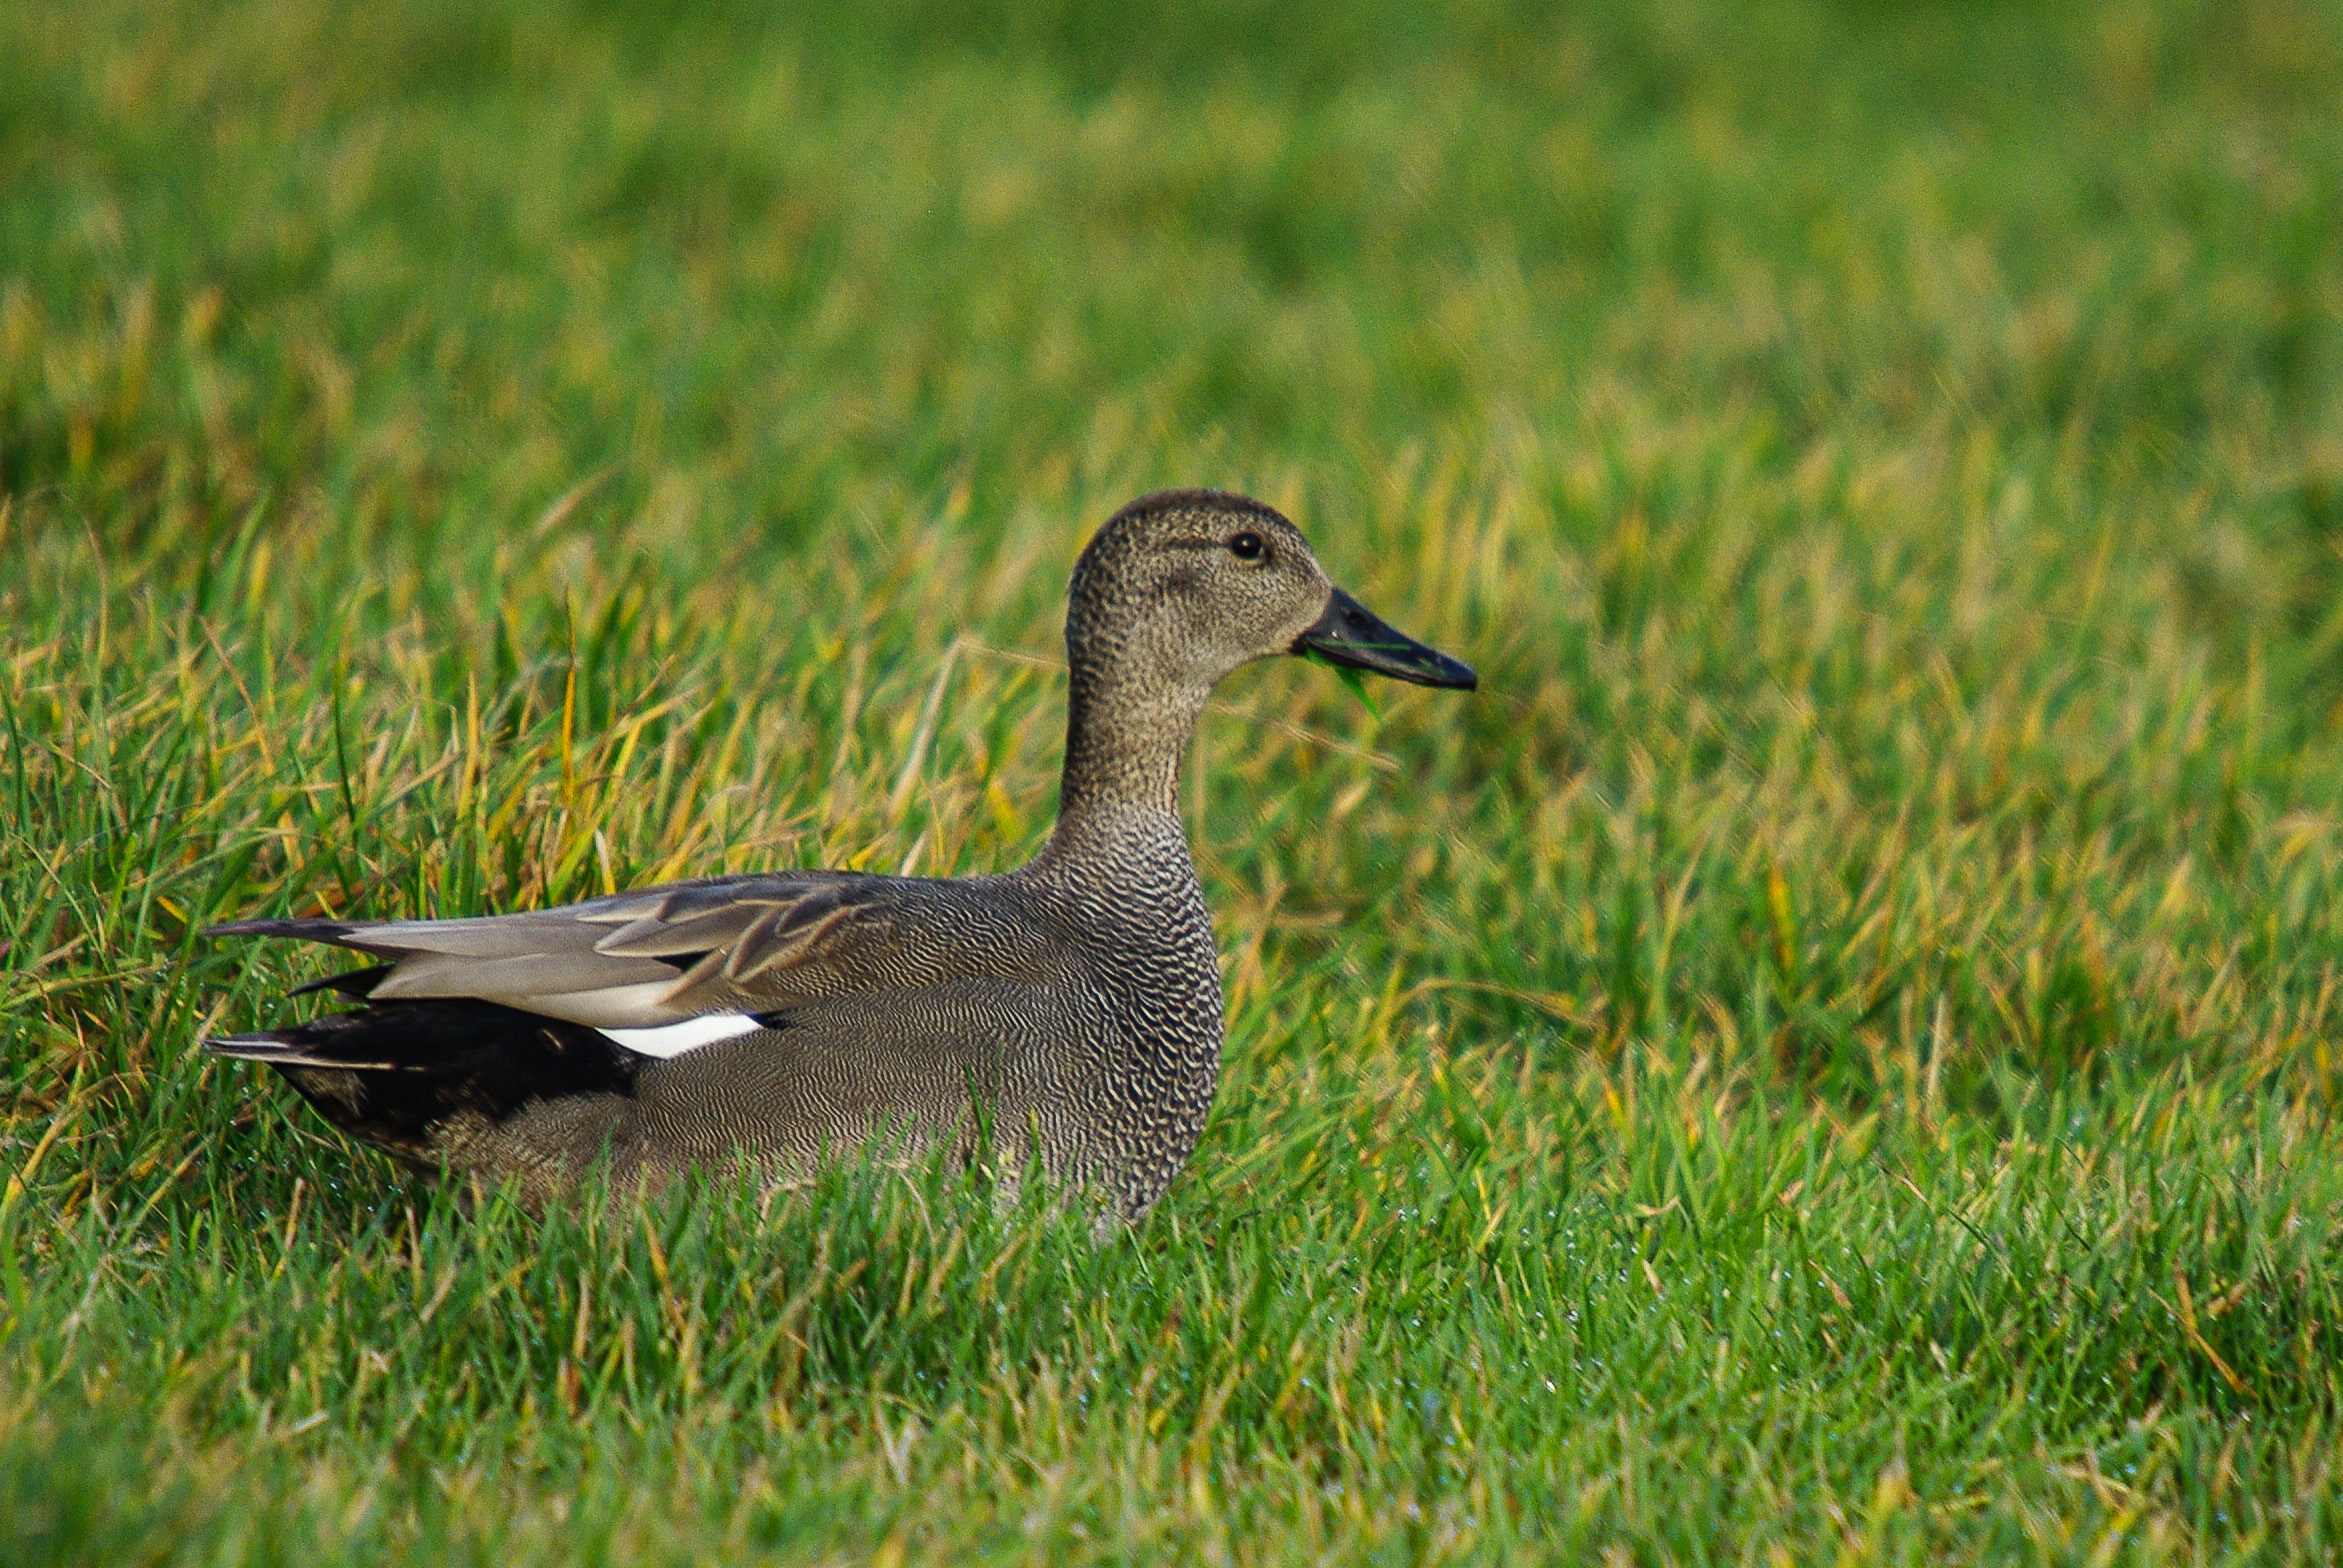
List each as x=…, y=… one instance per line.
x=1832, y=1052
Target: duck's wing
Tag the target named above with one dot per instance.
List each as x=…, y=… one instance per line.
x=661, y=958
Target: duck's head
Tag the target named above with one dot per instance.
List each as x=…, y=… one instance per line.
x=1190, y=584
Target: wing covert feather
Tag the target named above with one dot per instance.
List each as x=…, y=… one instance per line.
x=660, y=955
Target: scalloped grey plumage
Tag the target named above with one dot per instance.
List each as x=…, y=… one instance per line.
x=1077, y=998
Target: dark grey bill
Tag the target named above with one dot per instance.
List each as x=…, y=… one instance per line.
x=1351, y=635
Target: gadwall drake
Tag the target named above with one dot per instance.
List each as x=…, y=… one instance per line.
x=781, y=1017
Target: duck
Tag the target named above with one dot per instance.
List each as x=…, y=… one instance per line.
x=1069, y=1009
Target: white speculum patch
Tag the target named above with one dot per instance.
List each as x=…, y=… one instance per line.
x=674, y=1039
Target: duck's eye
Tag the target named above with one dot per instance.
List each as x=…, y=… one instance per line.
x=1246, y=547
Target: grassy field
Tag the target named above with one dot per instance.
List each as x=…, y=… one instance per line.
x=1833, y=1053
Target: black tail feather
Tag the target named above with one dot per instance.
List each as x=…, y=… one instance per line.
x=285, y=1050
x=314, y=930
x=392, y=1072
x=351, y=982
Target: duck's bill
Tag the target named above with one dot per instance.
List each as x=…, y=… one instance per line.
x=1351, y=635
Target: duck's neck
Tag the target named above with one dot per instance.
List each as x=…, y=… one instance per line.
x=1125, y=741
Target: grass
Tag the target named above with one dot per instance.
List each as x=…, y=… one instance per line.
x=1832, y=1053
